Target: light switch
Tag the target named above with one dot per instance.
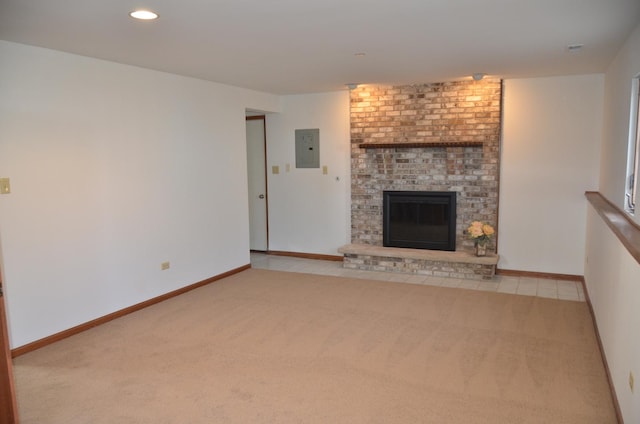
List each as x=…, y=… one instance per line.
x=325, y=169
x=287, y=167
x=275, y=169
x=5, y=186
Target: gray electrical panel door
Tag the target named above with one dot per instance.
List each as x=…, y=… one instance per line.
x=308, y=148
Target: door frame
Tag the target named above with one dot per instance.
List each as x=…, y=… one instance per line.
x=7, y=387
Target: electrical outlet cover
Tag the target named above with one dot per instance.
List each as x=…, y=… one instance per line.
x=5, y=186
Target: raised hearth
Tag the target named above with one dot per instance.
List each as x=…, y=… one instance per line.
x=437, y=263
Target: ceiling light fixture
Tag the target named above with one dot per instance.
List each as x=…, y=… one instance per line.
x=145, y=15
x=574, y=47
x=478, y=76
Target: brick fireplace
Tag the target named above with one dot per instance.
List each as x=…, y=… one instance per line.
x=427, y=137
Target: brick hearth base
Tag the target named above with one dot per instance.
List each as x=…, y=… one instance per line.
x=437, y=263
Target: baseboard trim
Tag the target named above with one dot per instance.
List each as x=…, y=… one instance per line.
x=546, y=275
x=614, y=395
x=337, y=258
x=30, y=347
x=581, y=279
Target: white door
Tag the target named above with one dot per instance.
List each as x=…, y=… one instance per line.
x=256, y=166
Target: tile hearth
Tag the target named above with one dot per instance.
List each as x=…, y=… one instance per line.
x=526, y=286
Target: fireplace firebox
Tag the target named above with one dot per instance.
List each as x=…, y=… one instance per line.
x=419, y=219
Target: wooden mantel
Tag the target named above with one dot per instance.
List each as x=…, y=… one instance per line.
x=421, y=144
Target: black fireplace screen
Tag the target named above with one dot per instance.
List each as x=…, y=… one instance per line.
x=420, y=219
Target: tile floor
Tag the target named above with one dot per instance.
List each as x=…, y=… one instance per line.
x=526, y=286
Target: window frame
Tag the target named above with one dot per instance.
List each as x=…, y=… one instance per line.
x=633, y=156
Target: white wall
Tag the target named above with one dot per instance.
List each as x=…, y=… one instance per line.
x=114, y=169
x=310, y=212
x=611, y=274
x=613, y=284
x=550, y=156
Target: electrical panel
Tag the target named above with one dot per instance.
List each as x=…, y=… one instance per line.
x=308, y=148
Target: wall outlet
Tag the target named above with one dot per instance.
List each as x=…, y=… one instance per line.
x=165, y=265
x=631, y=381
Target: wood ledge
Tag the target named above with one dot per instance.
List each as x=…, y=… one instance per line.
x=627, y=231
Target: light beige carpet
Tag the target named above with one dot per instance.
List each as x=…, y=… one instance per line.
x=276, y=347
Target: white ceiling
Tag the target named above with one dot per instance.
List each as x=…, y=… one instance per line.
x=304, y=46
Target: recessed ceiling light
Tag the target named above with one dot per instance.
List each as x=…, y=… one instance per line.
x=574, y=47
x=145, y=15
x=360, y=54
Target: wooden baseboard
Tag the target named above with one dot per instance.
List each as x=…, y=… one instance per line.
x=110, y=317
x=581, y=279
x=614, y=395
x=546, y=275
x=337, y=258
